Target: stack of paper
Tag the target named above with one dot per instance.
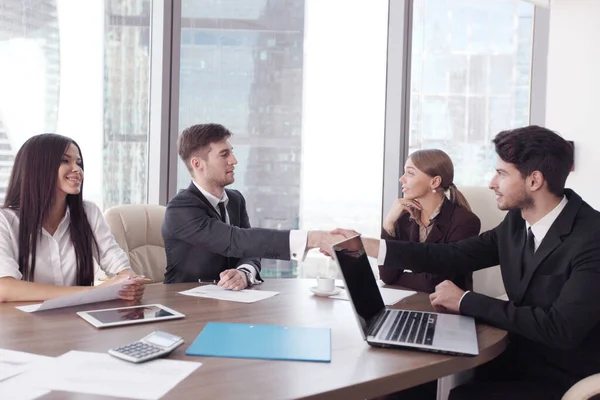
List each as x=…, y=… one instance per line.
x=93, y=373
x=13, y=363
x=217, y=292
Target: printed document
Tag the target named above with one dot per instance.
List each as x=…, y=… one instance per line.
x=102, y=374
x=13, y=363
x=217, y=292
x=103, y=293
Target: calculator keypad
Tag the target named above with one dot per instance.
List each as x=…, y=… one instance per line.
x=138, y=350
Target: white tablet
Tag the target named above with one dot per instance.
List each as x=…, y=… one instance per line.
x=129, y=315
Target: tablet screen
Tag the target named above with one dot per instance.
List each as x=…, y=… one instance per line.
x=130, y=314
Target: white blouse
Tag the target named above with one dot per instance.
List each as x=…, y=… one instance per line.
x=55, y=262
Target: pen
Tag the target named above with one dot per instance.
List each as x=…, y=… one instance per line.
x=213, y=281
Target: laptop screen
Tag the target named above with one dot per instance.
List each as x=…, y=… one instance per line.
x=361, y=285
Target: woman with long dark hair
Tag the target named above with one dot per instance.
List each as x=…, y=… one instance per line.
x=50, y=239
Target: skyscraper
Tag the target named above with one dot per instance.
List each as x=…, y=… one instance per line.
x=470, y=78
x=126, y=91
x=35, y=21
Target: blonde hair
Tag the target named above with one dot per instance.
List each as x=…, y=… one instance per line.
x=435, y=162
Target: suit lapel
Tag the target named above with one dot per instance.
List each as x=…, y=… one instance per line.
x=551, y=241
x=193, y=189
x=436, y=234
x=441, y=223
x=233, y=209
x=562, y=226
x=513, y=281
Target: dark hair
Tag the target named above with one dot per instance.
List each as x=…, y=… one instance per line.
x=197, y=138
x=30, y=192
x=533, y=148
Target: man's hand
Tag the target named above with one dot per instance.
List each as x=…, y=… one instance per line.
x=233, y=279
x=346, y=233
x=322, y=240
x=446, y=297
x=371, y=245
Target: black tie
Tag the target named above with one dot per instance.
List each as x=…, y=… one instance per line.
x=222, y=211
x=528, y=251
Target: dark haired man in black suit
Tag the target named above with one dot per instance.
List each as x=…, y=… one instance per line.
x=206, y=229
x=548, y=248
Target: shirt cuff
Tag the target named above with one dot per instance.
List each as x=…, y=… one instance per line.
x=462, y=297
x=382, y=252
x=298, y=241
x=252, y=270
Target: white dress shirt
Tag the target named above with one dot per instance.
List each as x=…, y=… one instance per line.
x=541, y=228
x=55, y=261
x=297, y=238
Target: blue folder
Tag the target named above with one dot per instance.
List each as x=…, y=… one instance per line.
x=269, y=342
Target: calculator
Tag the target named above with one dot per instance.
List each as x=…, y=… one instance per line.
x=156, y=344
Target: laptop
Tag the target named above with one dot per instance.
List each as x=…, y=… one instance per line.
x=384, y=327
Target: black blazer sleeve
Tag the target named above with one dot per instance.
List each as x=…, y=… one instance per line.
x=389, y=276
x=245, y=223
x=187, y=220
x=570, y=318
x=462, y=257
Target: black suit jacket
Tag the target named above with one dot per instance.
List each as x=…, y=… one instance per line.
x=199, y=245
x=553, y=312
x=452, y=224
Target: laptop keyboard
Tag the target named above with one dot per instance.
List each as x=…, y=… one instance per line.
x=409, y=327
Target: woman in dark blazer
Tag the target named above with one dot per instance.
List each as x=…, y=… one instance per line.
x=432, y=210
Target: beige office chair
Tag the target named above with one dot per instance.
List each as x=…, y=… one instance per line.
x=487, y=281
x=136, y=229
x=483, y=204
x=584, y=389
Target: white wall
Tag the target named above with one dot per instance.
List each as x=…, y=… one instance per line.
x=573, y=97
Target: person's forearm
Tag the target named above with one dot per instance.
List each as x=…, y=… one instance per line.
x=371, y=246
x=388, y=227
x=16, y=290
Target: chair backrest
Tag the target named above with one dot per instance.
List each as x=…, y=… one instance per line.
x=136, y=229
x=483, y=204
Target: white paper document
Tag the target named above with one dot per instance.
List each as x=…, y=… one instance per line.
x=102, y=374
x=13, y=363
x=217, y=292
x=20, y=390
x=96, y=295
x=390, y=296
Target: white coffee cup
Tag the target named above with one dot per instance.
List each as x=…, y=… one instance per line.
x=325, y=284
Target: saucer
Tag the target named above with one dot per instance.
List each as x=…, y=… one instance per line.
x=318, y=292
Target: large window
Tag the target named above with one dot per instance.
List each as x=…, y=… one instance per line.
x=305, y=99
x=470, y=78
x=79, y=68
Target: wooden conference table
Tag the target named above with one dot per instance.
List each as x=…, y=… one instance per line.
x=357, y=370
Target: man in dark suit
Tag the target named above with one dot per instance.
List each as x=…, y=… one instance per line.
x=206, y=229
x=548, y=248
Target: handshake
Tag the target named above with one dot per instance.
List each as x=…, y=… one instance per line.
x=324, y=240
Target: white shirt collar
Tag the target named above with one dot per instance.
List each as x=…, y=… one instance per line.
x=214, y=200
x=541, y=228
